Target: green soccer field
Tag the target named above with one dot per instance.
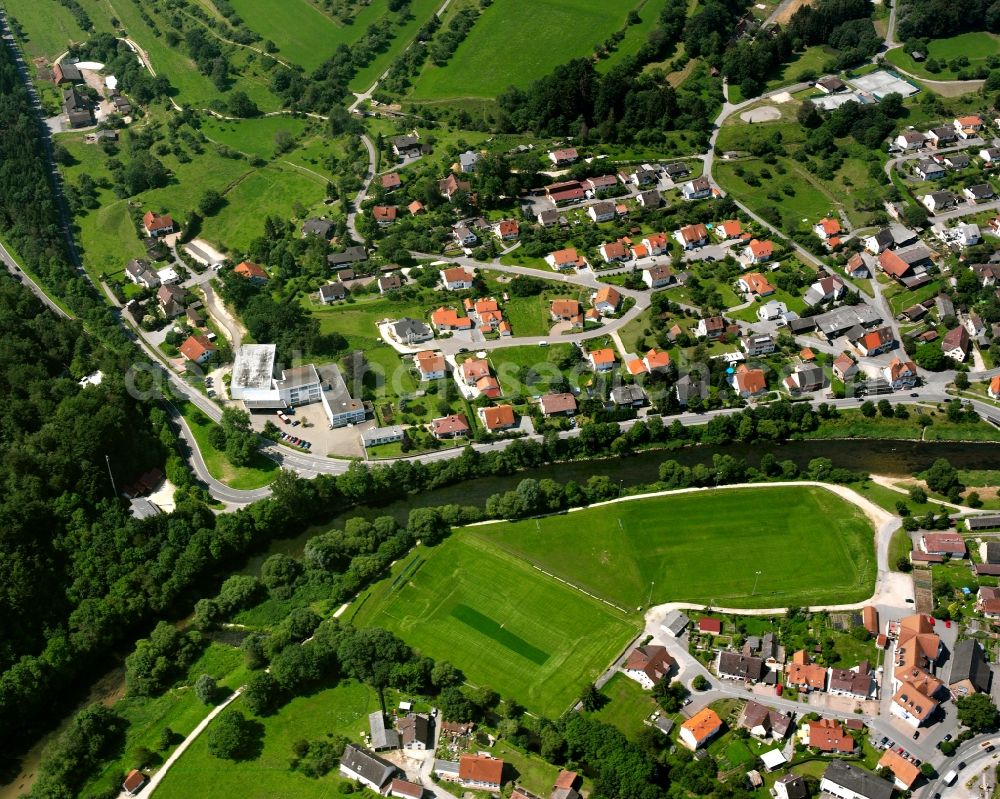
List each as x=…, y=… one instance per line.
x=809, y=545
x=515, y=43
x=505, y=624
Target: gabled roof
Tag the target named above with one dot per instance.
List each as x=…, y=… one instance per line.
x=476, y=768
x=475, y=368
x=830, y=227
x=653, y=661
x=450, y=425
x=829, y=735
x=605, y=355
x=557, y=403
x=368, y=765
x=857, y=780
x=693, y=233
x=609, y=295
x=250, y=271
x=703, y=724
x=761, y=249
x=498, y=417
x=195, y=347
x=969, y=662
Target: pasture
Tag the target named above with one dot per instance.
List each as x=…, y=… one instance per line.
x=977, y=47
x=340, y=710
x=49, y=27
x=809, y=545
x=502, y=622
x=547, y=33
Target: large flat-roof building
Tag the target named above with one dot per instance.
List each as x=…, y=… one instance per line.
x=255, y=384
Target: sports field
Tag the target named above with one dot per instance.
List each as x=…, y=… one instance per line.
x=514, y=43
x=809, y=545
x=505, y=624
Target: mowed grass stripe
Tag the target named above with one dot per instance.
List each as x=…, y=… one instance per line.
x=484, y=625
x=508, y=604
x=811, y=547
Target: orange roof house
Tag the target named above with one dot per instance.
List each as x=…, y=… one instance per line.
x=994, y=389
x=155, y=224
x=904, y=771
x=250, y=271
x=749, y=382
x=384, y=214
x=829, y=735
x=567, y=258
x=566, y=310
x=488, y=386
x=429, y=363
x=607, y=299
x=416, y=207
x=197, y=349
x=761, y=250
x=757, y=284
x=699, y=728
x=602, y=359
x=828, y=228
x=805, y=675
x=486, y=305
x=448, y=319
x=499, y=418
x=480, y=771
x=636, y=367
x=473, y=369
x=656, y=360
x=730, y=229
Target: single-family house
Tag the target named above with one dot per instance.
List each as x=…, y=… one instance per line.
x=678, y=169
x=939, y=137
x=857, y=682
x=332, y=292
x=449, y=187
x=827, y=228
x=140, y=273
x=939, y=201
x=566, y=259
x=701, y=727
x=411, y=331
x=764, y=722
x=251, y=271
x=757, y=252
x=994, y=388
x=696, y=189
x=197, y=349
x=171, y=300
x=430, y=364
x=456, y=279
x=467, y=161
x=791, y=786
x=602, y=360
x=979, y=192
x=929, y=169
x=390, y=282
x=480, y=771
x=826, y=289
x=566, y=311
x=955, y=344
x=968, y=126
x=452, y=426
x=500, y=417
x=473, y=370
x=601, y=211
x=730, y=229
x=557, y=404
x=806, y=377
x=135, y=780
x=756, y=284
x=607, y=300
x=857, y=267
x=613, y=251
x=384, y=215
x=445, y=319
x=563, y=157
x=771, y=310
x=747, y=382
x=631, y=396
x=648, y=664
x=910, y=140
x=656, y=277
x=351, y=255
x=507, y=230
x=829, y=735
x=875, y=342
x=650, y=198
x=464, y=234
x=831, y=85
x=405, y=146
x=692, y=236
x=711, y=327
x=805, y=675
x=900, y=374
x=690, y=388
x=157, y=224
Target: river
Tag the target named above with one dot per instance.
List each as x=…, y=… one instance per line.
x=901, y=458
x=874, y=457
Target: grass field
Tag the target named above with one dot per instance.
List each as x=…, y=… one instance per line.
x=508, y=361
x=261, y=471
x=178, y=708
x=809, y=545
x=341, y=710
x=252, y=136
x=49, y=27
x=977, y=47
x=853, y=424
x=547, y=33
x=503, y=623
x=628, y=705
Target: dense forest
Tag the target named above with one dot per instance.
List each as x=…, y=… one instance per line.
x=941, y=18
